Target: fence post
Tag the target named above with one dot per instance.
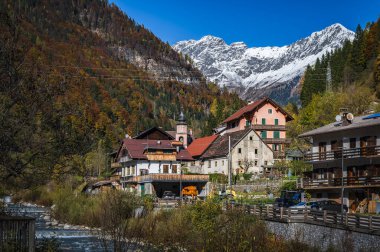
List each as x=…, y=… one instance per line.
x=267, y=211
x=357, y=221
x=370, y=222
x=281, y=212
x=346, y=220
x=305, y=214
x=324, y=216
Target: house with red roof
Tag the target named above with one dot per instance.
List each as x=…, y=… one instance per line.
x=248, y=153
x=152, y=162
x=267, y=118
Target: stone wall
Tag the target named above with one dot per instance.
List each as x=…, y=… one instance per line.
x=323, y=237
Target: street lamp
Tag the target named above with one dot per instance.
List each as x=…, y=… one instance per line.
x=342, y=184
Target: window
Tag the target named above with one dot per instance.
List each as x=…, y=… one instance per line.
x=276, y=134
x=181, y=139
x=256, y=151
x=263, y=121
x=265, y=162
x=166, y=169
x=255, y=162
x=352, y=142
x=209, y=164
x=239, y=150
x=222, y=162
x=192, y=163
x=216, y=163
x=274, y=147
x=174, y=168
x=247, y=123
x=263, y=134
x=239, y=163
x=269, y=111
x=275, y=121
x=250, y=138
x=322, y=150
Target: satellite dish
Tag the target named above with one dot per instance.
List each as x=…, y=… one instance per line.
x=350, y=116
x=338, y=118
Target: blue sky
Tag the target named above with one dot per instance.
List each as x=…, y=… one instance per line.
x=257, y=23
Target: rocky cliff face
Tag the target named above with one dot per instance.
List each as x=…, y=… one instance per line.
x=258, y=71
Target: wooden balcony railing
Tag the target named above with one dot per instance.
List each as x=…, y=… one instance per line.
x=115, y=165
x=337, y=182
x=278, y=154
x=269, y=127
x=166, y=178
x=369, y=151
x=277, y=140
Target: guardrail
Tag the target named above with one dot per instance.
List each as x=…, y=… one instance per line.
x=355, y=222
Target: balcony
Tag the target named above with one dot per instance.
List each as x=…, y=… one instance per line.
x=165, y=178
x=278, y=154
x=348, y=182
x=115, y=165
x=277, y=140
x=370, y=151
x=269, y=127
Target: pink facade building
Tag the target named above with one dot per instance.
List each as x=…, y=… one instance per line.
x=267, y=118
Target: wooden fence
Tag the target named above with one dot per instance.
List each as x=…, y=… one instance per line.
x=17, y=233
x=355, y=222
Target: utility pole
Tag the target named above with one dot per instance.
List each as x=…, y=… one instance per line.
x=229, y=163
x=328, y=78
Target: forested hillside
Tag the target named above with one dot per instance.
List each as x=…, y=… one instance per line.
x=68, y=95
x=356, y=63
x=346, y=78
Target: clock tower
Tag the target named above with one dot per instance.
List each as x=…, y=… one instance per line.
x=181, y=130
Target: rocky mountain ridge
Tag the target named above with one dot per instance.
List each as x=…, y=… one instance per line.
x=258, y=71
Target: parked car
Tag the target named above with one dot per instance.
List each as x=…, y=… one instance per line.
x=329, y=205
x=300, y=205
x=168, y=195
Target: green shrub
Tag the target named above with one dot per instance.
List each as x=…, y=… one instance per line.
x=290, y=185
x=218, y=178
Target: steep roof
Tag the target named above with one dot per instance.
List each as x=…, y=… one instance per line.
x=255, y=105
x=136, y=148
x=358, y=122
x=219, y=148
x=200, y=145
x=155, y=133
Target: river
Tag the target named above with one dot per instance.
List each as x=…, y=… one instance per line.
x=70, y=238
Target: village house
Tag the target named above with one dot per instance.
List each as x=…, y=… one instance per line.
x=152, y=162
x=347, y=150
x=249, y=154
x=268, y=119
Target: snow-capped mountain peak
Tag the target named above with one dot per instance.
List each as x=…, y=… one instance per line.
x=261, y=70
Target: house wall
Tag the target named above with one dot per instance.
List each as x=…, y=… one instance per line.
x=345, y=135
x=263, y=113
x=247, y=146
x=134, y=168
